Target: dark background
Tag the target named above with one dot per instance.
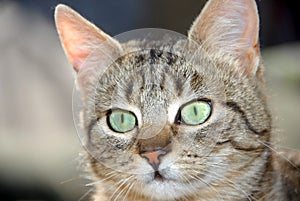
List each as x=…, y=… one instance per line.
x=280, y=20
x=280, y=24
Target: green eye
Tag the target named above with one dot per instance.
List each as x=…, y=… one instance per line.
x=121, y=121
x=196, y=112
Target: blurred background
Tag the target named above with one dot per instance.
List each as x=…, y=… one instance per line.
x=38, y=142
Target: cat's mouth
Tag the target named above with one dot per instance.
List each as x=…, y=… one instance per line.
x=161, y=177
x=164, y=185
x=158, y=177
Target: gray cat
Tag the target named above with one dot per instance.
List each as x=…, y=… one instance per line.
x=183, y=120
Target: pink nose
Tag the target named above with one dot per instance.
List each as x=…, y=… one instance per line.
x=153, y=157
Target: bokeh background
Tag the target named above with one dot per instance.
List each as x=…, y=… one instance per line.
x=38, y=142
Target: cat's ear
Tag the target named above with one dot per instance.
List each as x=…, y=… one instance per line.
x=80, y=37
x=228, y=29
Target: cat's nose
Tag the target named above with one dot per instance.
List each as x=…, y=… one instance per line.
x=154, y=148
x=153, y=157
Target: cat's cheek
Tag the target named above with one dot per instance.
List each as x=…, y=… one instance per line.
x=241, y=138
x=144, y=173
x=246, y=142
x=103, y=138
x=218, y=112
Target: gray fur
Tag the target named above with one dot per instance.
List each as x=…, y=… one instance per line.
x=227, y=157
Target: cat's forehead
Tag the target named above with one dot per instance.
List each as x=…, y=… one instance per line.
x=151, y=56
x=152, y=79
x=151, y=73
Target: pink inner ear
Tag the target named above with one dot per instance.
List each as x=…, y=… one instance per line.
x=229, y=29
x=74, y=41
x=78, y=36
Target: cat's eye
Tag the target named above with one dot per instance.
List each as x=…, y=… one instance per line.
x=195, y=113
x=121, y=121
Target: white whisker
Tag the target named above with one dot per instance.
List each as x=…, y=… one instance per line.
x=86, y=194
x=128, y=190
x=100, y=181
x=119, y=185
x=229, y=182
x=206, y=183
x=124, y=188
x=279, y=154
x=71, y=179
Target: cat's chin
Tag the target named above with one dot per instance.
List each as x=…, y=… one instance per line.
x=159, y=186
x=165, y=189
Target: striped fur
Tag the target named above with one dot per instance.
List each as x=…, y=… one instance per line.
x=228, y=157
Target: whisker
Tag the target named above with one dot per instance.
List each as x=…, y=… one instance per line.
x=138, y=192
x=71, y=179
x=86, y=194
x=279, y=154
x=128, y=190
x=229, y=182
x=119, y=185
x=186, y=180
x=124, y=188
x=206, y=183
x=134, y=198
x=285, y=147
x=112, y=186
x=100, y=181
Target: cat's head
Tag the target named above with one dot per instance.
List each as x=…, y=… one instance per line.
x=174, y=119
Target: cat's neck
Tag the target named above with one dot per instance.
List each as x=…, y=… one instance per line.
x=286, y=166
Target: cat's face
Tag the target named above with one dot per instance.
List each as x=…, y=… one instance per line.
x=168, y=125
x=158, y=101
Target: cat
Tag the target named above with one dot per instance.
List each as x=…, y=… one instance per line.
x=183, y=120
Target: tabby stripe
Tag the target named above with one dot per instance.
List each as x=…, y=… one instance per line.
x=235, y=107
x=129, y=91
x=90, y=127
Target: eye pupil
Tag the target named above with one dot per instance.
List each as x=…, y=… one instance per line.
x=195, y=111
x=122, y=118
